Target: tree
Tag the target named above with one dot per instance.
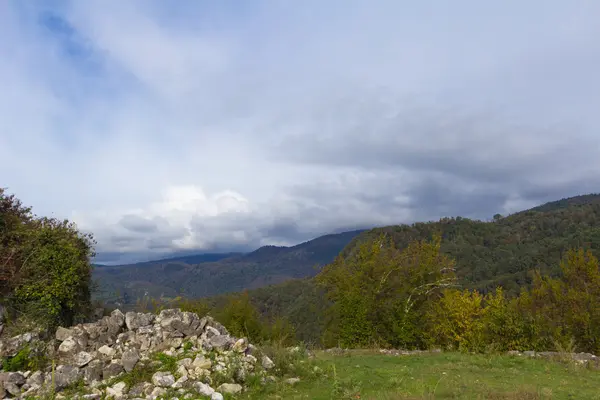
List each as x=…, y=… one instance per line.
x=567, y=308
x=455, y=321
x=378, y=291
x=45, y=266
x=241, y=318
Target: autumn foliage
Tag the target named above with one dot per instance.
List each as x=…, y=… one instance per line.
x=383, y=296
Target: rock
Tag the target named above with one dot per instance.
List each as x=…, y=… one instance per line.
x=130, y=359
x=63, y=333
x=203, y=389
x=186, y=362
x=11, y=346
x=68, y=348
x=12, y=377
x=241, y=345
x=12, y=388
x=136, y=320
x=141, y=390
x=292, y=381
x=93, y=371
x=220, y=342
x=36, y=379
x=115, y=322
x=94, y=331
x=267, y=363
x=182, y=371
x=111, y=370
x=230, y=388
x=83, y=358
x=107, y=351
x=179, y=383
x=158, y=392
x=116, y=390
x=65, y=375
x=210, y=322
x=97, y=352
x=163, y=379
x=202, y=362
x=216, y=396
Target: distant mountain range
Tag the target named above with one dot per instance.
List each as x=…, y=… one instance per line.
x=188, y=259
x=488, y=254
x=213, y=273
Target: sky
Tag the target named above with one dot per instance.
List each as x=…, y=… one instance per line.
x=200, y=126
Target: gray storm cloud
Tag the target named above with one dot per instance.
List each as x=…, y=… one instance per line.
x=208, y=127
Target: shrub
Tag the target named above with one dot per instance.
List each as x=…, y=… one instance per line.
x=46, y=270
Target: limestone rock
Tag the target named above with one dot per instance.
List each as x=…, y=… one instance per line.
x=135, y=321
x=96, y=353
x=267, y=363
x=116, y=390
x=230, y=388
x=130, y=359
x=203, y=389
x=111, y=370
x=83, y=358
x=163, y=379
x=63, y=333
x=65, y=375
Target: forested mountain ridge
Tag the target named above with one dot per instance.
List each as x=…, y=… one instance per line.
x=583, y=200
x=172, y=277
x=503, y=251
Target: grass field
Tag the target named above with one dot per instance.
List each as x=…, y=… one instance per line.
x=370, y=375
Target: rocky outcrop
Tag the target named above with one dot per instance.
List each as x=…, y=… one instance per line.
x=137, y=356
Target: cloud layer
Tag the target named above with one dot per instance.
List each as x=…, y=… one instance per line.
x=226, y=126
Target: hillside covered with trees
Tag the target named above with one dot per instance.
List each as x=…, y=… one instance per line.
x=505, y=252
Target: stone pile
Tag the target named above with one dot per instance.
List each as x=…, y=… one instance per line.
x=137, y=356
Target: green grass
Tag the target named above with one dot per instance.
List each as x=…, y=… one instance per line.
x=369, y=375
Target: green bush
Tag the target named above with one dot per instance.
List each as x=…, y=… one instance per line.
x=25, y=360
x=46, y=270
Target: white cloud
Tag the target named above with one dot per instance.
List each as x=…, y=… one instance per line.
x=211, y=126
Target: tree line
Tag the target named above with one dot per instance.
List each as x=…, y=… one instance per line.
x=410, y=298
x=384, y=297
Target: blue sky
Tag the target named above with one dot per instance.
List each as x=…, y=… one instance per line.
x=202, y=126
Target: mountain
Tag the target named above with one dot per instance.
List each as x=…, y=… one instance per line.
x=488, y=254
x=582, y=200
x=212, y=274
x=188, y=259
x=504, y=251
